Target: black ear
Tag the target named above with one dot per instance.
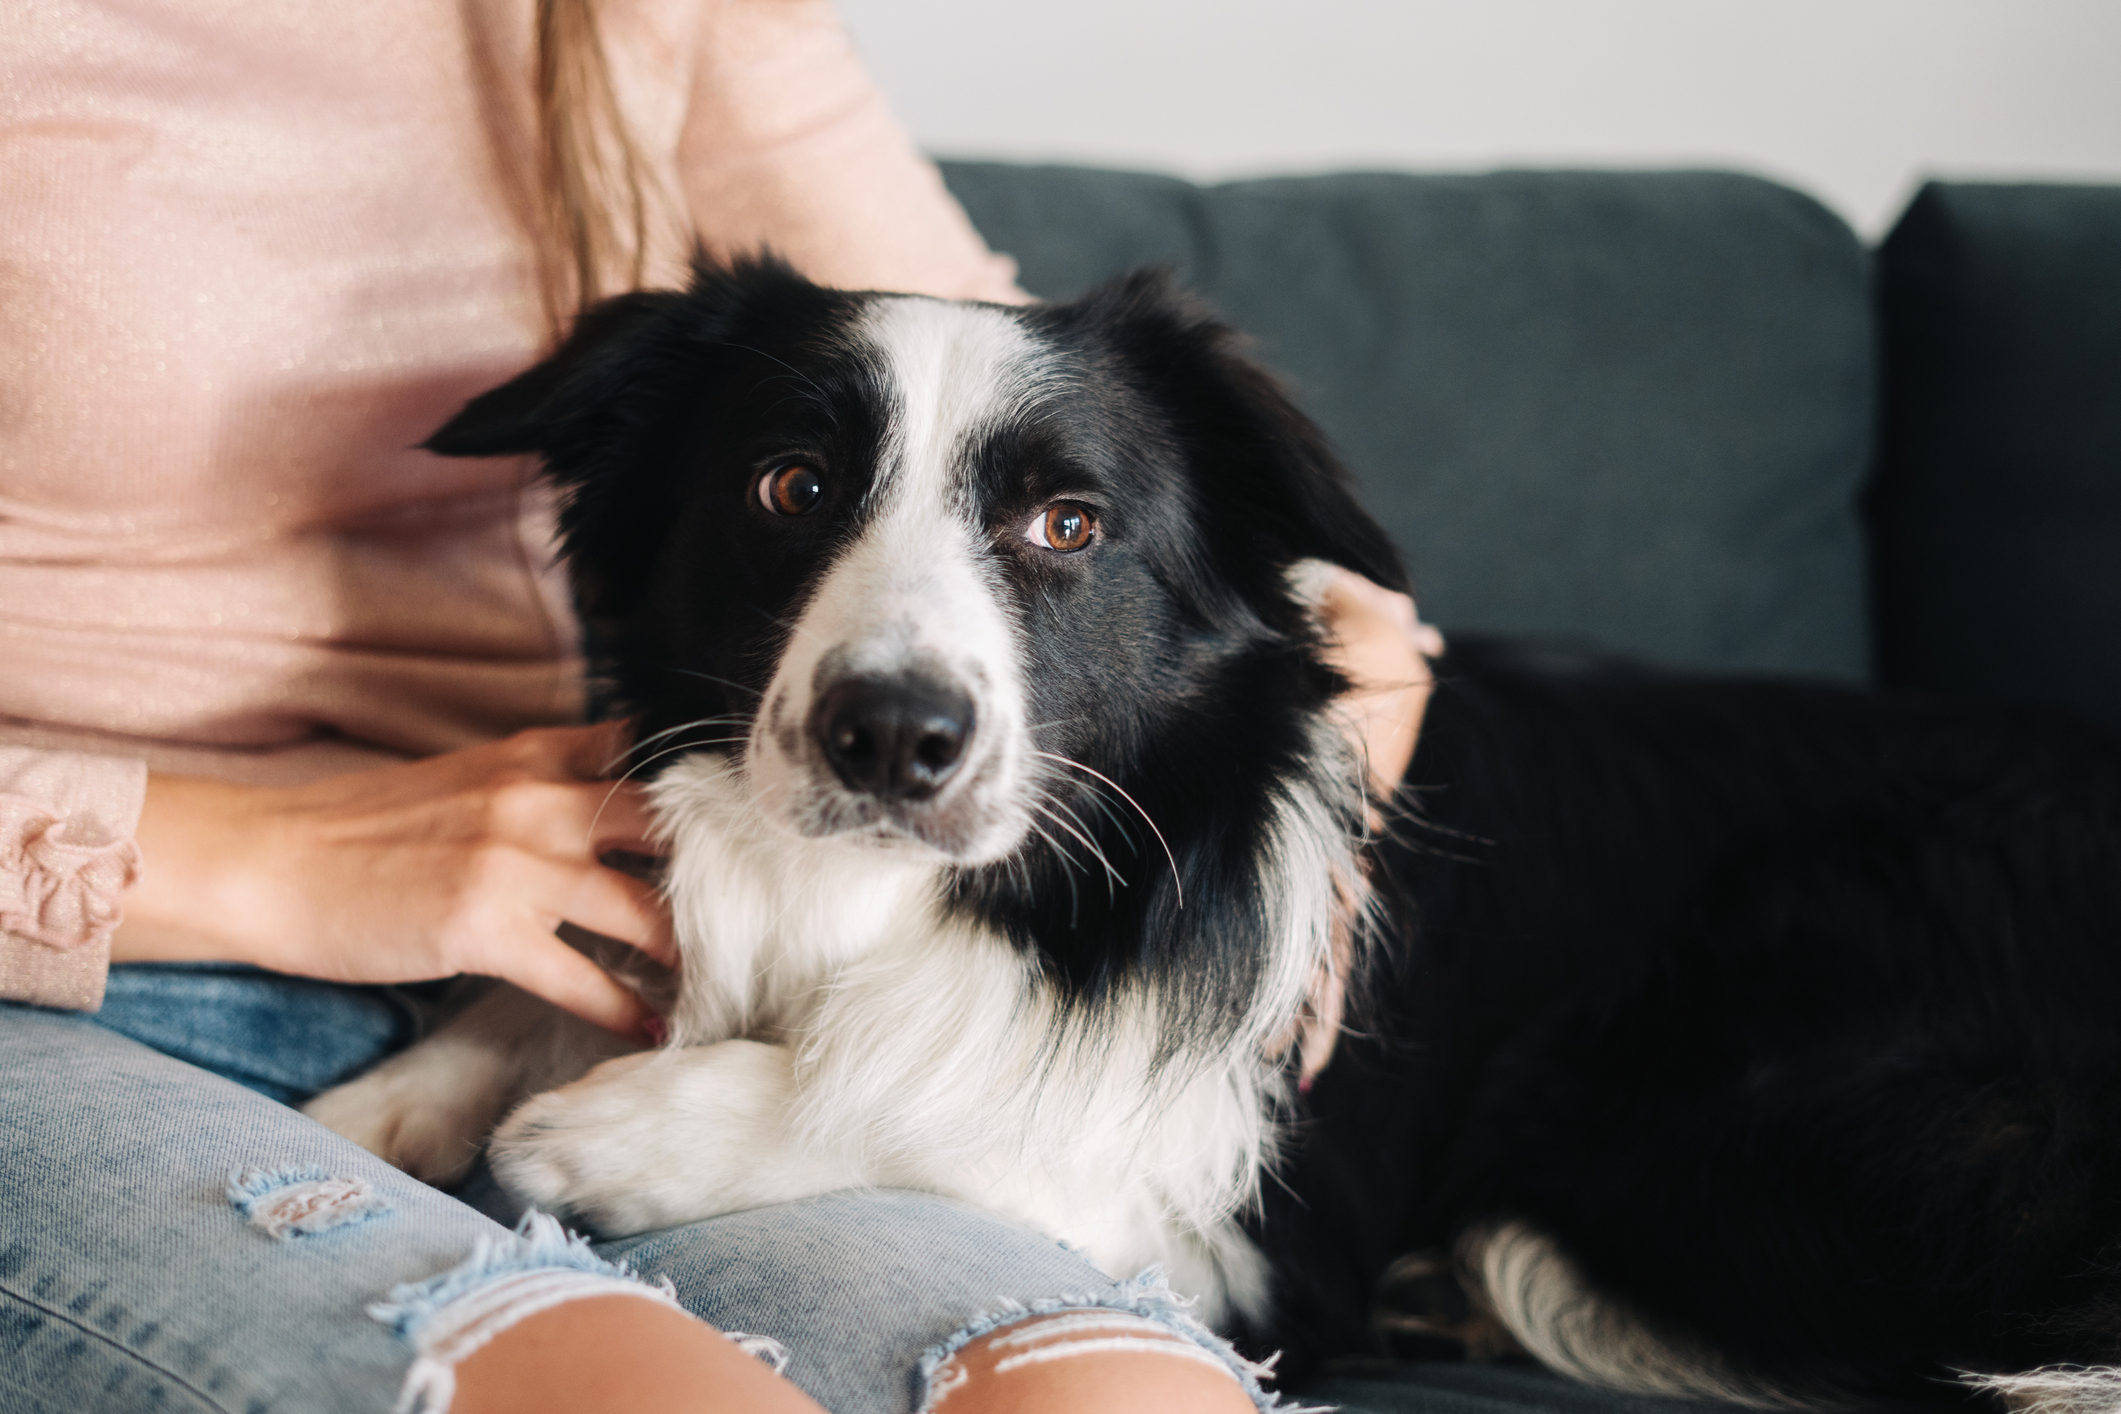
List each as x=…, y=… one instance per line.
x=594, y=413
x=548, y=405
x=586, y=407
x=1277, y=485
x=608, y=413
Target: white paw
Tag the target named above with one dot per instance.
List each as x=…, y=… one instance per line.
x=594, y=1152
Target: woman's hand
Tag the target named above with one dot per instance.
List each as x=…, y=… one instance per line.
x=1383, y=649
x=465, y=862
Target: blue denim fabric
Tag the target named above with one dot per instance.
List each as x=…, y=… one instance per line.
x=129, y=1281
x=284, y=1037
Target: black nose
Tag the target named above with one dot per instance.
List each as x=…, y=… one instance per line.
x=896, y=738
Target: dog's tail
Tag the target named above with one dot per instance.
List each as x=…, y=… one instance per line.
x=1526, y=1284
x=1521, y=1281
x=2056, y=1389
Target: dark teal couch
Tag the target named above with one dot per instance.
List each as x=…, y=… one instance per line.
x=1687, y=416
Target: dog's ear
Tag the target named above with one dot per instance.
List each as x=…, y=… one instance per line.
x=589, y=412
x=568, y=399
x=608, y=411
x=583, y=408
x=1276, y=481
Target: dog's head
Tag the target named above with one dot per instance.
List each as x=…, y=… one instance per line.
x=1008, y=589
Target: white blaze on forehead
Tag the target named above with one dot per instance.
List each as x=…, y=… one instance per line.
x=955, y=371
x=922, y=573
x=919, y=588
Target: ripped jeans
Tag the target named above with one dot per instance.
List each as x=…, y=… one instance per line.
x=133, y=1278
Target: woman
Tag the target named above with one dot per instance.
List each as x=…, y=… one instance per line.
x=283, y=694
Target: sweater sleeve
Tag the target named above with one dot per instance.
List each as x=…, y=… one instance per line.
x=788, y=145
x=66, y=855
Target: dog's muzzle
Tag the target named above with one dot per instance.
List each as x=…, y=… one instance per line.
x=897, y=738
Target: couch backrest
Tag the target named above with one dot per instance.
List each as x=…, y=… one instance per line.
x=1623, y=408
x=1998, y=507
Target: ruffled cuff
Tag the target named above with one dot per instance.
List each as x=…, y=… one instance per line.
x=66, y=856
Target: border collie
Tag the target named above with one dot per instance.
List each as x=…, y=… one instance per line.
x=1753, y=1041
x=977, y=679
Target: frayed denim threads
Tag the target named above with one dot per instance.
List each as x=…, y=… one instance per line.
x=539, y=1243
x=505, y=1280
x=301, y=1200
x=1146, y=1296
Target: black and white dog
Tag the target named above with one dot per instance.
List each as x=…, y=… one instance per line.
x=1007, y=820
x=1754, y=1041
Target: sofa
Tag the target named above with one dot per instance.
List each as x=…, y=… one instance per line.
x=1683, y=416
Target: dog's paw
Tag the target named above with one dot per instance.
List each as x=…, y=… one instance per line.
x=655, y=1140
x=401, y=1118
x=594, y=1152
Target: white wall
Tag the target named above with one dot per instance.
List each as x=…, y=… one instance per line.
x=1852, y=100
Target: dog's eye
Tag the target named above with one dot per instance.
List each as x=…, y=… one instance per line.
x=1065, y=526
x=792, y=490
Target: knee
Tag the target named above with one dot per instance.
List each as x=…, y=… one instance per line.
x=1111, y=1361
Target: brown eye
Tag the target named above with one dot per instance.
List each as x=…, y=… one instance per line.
x=793, y=490
x=1064, y=526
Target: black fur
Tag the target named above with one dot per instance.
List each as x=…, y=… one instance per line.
x=1790, y=1012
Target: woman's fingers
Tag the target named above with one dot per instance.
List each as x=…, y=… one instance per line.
x=593, y=753
x=1348, y=592
x=569, y=819
x=608, y=902
x=547, y=967
x=1370, y=622
x=566, y=831
x=1380, y=646
x=621, y=817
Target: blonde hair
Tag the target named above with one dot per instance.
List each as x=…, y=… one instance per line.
x=600, y=200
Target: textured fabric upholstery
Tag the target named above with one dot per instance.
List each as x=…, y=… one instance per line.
x=1998, y=508
x=1624, y=408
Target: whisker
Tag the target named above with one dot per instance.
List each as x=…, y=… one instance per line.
x=1056, y=722
x=1068, y=873
x=1068, y=811
x=792, y=627
x=1179, y=883
x=1098, y=798
x=667, y=751
x=1070, y=859
x=1088, y=843
x=728, y=719
x=710, y=677
x=824, y=398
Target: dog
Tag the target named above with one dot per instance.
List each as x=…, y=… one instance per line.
x=934, y=619
x=1741, y=1040
x=1750, y=1041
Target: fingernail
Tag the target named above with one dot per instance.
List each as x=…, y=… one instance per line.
x=657, y=1030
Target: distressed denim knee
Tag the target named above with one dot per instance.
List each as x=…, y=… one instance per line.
x=450, y=1316
x=1138, y=1317
x=873, y=1292
x=136, y=1272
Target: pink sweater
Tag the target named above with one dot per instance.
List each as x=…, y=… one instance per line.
x=249, y=257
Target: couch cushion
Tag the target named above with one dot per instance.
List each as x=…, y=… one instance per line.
x=1998, y=507
x=1632, y=409
x=1359, y=1386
